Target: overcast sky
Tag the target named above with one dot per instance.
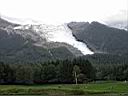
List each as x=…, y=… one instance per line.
x=59, y=11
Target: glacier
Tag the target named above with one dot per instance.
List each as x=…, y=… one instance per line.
x=62, y=33
x=58, y=33
x=53, y=33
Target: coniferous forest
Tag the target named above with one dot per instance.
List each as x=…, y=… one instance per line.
x=61, y=71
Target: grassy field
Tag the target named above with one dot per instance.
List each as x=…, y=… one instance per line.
x=95, y=89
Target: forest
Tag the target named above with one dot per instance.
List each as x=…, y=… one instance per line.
x=61, y=71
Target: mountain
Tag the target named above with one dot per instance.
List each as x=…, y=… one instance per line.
x=101, y=38
x=41, y=42
x=119, y=24
x=23, y=43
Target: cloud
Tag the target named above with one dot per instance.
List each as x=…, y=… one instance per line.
x=59, y=11
x=121, y=16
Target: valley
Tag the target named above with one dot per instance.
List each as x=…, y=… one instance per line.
x=76, y=58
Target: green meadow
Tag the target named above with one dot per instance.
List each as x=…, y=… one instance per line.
x=92, y=89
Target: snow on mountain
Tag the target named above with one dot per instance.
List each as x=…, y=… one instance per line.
x=52, y=33
x=120, y=25
x=57, y=33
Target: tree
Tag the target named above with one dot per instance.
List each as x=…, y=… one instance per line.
x=64, y=71
x=6, y=73
x=24, y=74
x=76, y=72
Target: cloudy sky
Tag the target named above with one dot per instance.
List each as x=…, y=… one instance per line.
x=59, y=11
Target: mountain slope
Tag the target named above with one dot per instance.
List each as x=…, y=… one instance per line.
x=101, y=38
x=26, y=45
x=15, y=48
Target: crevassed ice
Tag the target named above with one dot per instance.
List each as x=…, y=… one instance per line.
x=62, y=33
x=58, y=33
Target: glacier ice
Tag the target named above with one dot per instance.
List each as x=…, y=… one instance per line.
x=58, y=33
x=62, y=33
x=54, y=33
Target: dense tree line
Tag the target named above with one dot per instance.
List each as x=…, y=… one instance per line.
x=105, y=59
x=59, y=71
x=117, y=72
x=78, y=70
x=109, y=66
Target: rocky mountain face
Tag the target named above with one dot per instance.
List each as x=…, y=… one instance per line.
x=101, y=38
x=23, y=44
x=39, y=43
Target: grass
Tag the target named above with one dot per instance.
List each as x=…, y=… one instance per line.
x=66, y=89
